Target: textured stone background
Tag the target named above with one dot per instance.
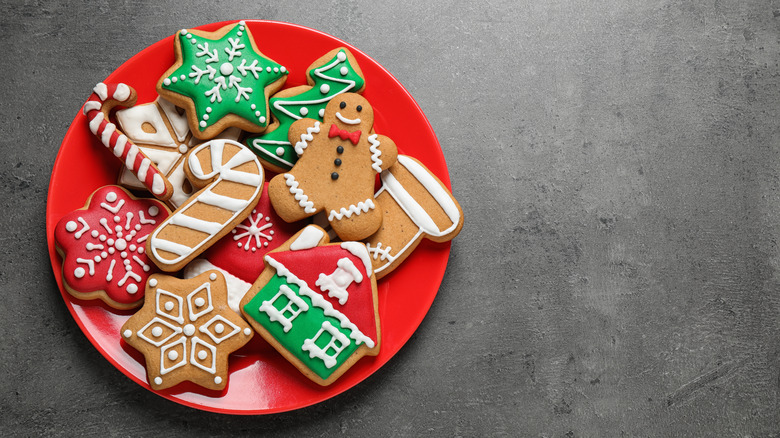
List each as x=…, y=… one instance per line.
x=618, y=166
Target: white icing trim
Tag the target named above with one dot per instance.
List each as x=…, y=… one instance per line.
x=303, y=200
x=376, y=162
x=361, y=207
x=306, y=137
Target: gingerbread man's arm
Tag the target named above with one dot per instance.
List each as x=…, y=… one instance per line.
x=302, y=132
x=383, y=152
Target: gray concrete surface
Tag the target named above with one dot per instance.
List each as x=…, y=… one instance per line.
x=618, y=166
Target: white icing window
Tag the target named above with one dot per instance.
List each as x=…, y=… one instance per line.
x=337, y=343
x=336, y=284
x=288, y=312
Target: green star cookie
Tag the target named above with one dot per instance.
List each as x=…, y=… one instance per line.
x=332, y=74
x=222, y=80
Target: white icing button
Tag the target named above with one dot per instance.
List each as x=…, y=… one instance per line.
x=153, y=282
x=219, y=328
x=279, y=151
x=182, y=77
x=202, y=355
x=304, y=111
x=153, y=210
x=120, y=244
x=341, y=56
x=202, y=124
x=189, y=330
x=94, y=233
x=169, y=306
x=268, y=69
x=276, y=69
x=217, y=380
x=173, y=355
x=183, y=148
x=132, y=289
x=199, y=302
x=247, y=331
x=158, y=381
x=205, y=116
x=283, y=69
x=322, y=112
x=71, y=226
x=212, y=276
x=79, y=272
x=344, y=71
x=174, y=79
x=111, y=197
x=166, y=81
x=226, y=68
x=208, y=109
x=128, y=333
x=157, y=332
x=324, y=88
x=262, y=119
x=253, y=106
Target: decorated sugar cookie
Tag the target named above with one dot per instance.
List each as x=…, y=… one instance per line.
x=102, y=247
x=222, y=80
x=230, y=180
x=97, y=109
x=332, y=74
x=339, y=159
x=186, y=331
x=316, y=303
x=416, y=205
x=161, y=131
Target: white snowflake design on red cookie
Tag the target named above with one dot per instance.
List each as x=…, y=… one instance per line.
x=103, y=246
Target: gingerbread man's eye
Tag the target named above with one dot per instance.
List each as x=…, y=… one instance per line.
x=359, y=108
x=343, y=105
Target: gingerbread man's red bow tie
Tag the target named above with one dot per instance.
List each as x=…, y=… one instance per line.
x=354, y=137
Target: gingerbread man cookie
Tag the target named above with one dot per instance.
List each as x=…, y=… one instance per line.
x=339, y=159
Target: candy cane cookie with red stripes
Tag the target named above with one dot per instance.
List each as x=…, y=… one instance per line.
x=97, y=108
x=230, y=179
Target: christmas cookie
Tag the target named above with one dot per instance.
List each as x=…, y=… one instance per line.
x=103, y=99
x=161, y=132
x=336, y=169
x=334, y=73
x=316, y=303
x=230, y=180
x=239, y=255
x=102, y=246
x=221, y=79
x=416, y=205
x=186, y=331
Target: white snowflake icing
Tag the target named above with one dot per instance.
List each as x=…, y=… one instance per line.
x=176, y=328
x=117, y=242
x=254, y=231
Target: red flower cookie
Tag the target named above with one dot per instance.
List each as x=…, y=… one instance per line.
x=103, y=246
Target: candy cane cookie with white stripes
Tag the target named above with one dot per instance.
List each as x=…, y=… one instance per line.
x=97, y=109
x=230, y=181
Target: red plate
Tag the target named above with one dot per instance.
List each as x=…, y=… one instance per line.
x=260, y=381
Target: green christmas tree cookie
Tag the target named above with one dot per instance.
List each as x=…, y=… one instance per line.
x=334, y=73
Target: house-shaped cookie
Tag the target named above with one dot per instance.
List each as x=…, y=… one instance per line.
x=316, y=303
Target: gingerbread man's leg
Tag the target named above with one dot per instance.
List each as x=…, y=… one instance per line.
x=356, y=222
x=289, y=199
